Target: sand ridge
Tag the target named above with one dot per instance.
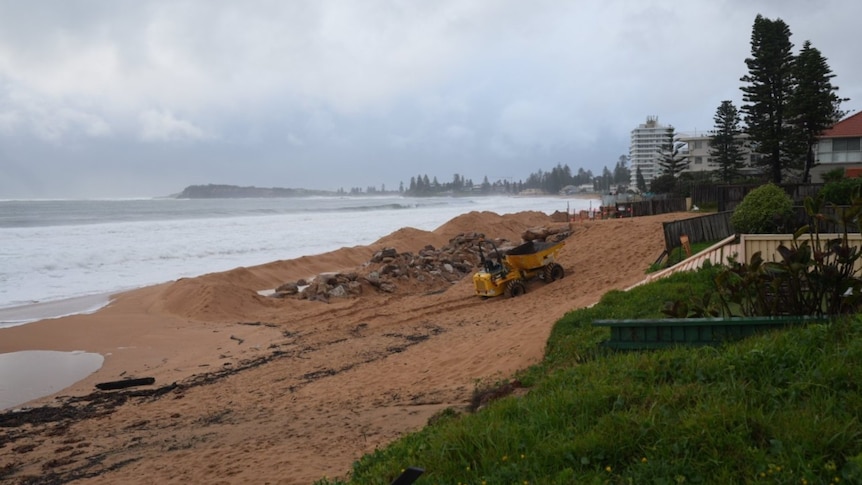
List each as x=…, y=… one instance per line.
x=321, y=384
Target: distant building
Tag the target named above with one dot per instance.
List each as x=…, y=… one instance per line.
x=698, y=146
x=840, y=147
x=646, y=142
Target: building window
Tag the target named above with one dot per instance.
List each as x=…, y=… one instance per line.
x=845, y=144
x=698, y=160
x=698, y=144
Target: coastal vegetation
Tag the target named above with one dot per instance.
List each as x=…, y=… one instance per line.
x=550, y=182
x=764, y=210
x=725, y=143
x=788, y=100
x=778, y=408
x=840, y=190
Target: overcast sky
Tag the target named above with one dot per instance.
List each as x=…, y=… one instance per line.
x=142, y=98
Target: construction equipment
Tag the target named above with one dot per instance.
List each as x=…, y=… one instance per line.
x=508, y=275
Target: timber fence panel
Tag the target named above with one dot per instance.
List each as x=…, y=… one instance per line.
x=727, y=197
x=709, y=227
x=767, y=245
x=657, y=206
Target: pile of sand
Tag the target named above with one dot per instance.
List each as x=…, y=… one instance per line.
x=255, y=389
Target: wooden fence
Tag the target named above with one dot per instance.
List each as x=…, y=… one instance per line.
x=767, y=245
x=717, y=226
x=727, y=197
x=710, y=227
x=650, y=207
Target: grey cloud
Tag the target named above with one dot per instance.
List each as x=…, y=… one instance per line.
x=331, y=94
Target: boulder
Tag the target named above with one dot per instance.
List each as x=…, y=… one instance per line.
x=384, y=253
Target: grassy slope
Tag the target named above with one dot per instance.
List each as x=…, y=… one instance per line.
x=780, y=408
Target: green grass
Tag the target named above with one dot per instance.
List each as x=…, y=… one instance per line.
x=677, y=255
x=784, y=407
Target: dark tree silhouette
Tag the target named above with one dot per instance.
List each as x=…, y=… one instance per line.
x=725, y=144
x=814, y=105
x=769, y=84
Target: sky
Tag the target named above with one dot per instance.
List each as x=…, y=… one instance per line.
x=106, y=98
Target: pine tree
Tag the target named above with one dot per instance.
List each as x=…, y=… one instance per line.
x=457, y=183
x=641, y=181
x=725, y=144
x=766, y=95
x=814, y=105
x=622, y=174
x=606, y=180
x=583, y=177
x=671, y=159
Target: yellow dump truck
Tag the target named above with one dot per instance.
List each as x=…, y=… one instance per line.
x=508, y=274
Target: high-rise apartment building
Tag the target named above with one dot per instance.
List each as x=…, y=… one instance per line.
x=646, y=143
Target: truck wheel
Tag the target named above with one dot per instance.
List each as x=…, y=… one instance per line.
x=553, y=272
x=515, y=288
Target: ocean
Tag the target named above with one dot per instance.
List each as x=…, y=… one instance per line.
x=67, y=256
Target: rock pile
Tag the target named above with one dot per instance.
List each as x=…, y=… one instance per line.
x=431, y=269
x=546, y=234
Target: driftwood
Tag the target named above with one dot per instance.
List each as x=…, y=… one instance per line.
x=125, y=383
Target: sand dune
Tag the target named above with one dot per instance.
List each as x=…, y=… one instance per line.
x=262, y=390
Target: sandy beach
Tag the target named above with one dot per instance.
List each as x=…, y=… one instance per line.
x=253, y=389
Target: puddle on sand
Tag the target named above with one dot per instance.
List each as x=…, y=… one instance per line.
x=32, y=374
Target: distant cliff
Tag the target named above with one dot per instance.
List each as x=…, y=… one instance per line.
x=212, y=191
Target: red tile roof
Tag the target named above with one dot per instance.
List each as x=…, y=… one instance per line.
x=850, y=126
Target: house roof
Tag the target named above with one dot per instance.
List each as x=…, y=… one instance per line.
x=850, y=126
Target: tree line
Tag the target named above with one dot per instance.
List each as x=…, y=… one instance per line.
x=552, y=182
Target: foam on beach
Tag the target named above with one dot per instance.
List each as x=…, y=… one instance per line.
x=22, y=314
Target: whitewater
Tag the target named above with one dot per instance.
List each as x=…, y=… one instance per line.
x=67, y=256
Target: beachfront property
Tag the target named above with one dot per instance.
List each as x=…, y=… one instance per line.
x=840, y=147
x=698, y=145
x=646, y=142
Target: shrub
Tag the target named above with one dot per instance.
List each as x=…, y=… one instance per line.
x=663, y=184
x=839, y=192
x=765, y=210
x=833, y=175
